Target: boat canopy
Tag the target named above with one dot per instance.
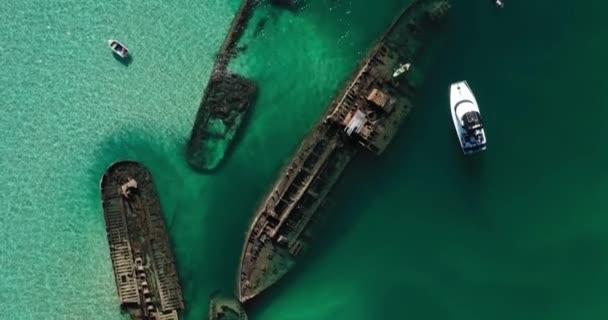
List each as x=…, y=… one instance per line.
x=471, y=120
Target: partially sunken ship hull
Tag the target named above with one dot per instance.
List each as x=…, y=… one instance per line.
x=223, y=307
x=144, y=267
x=226, y=101
x=364, y=116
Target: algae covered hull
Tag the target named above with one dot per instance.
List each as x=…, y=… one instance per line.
x=222, y=307
x=226, y=101
x=365, y=115
x=144, y=267
x=225, y=104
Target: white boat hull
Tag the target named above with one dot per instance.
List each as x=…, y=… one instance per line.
x=467, y=118
x=118, y=48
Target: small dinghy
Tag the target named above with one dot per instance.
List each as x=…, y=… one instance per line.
x=467, y=119
x=402, y=69
x=120, y=49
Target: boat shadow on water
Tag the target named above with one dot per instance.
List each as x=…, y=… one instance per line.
x=124, y=61
x=471, y=166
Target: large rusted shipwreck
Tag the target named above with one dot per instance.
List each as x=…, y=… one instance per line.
x=144, y=267
x=364, y=116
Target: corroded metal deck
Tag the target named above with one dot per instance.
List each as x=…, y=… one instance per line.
x=144, y=267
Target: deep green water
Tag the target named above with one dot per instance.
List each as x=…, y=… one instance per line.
x=418, y=233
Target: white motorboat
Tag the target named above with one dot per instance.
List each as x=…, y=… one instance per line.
x=467, y=119
x=120, y=49
x=402, y=69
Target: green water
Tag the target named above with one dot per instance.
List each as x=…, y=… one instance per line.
x=419, y=233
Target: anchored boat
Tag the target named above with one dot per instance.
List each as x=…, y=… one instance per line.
x=120, y=49
x=467, y=119
x=402, y=69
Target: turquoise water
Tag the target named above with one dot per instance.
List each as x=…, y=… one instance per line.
x=420, y=232
x=516, y=233
x=68, y=110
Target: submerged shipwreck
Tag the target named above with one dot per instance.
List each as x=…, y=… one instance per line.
x=144, y=268
x=365, y=115
x=222, y=307
x=226, y=101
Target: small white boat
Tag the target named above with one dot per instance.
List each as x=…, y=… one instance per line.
x=402, y=69
x=120, y=49
x=499, y=3
x=467, y=119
